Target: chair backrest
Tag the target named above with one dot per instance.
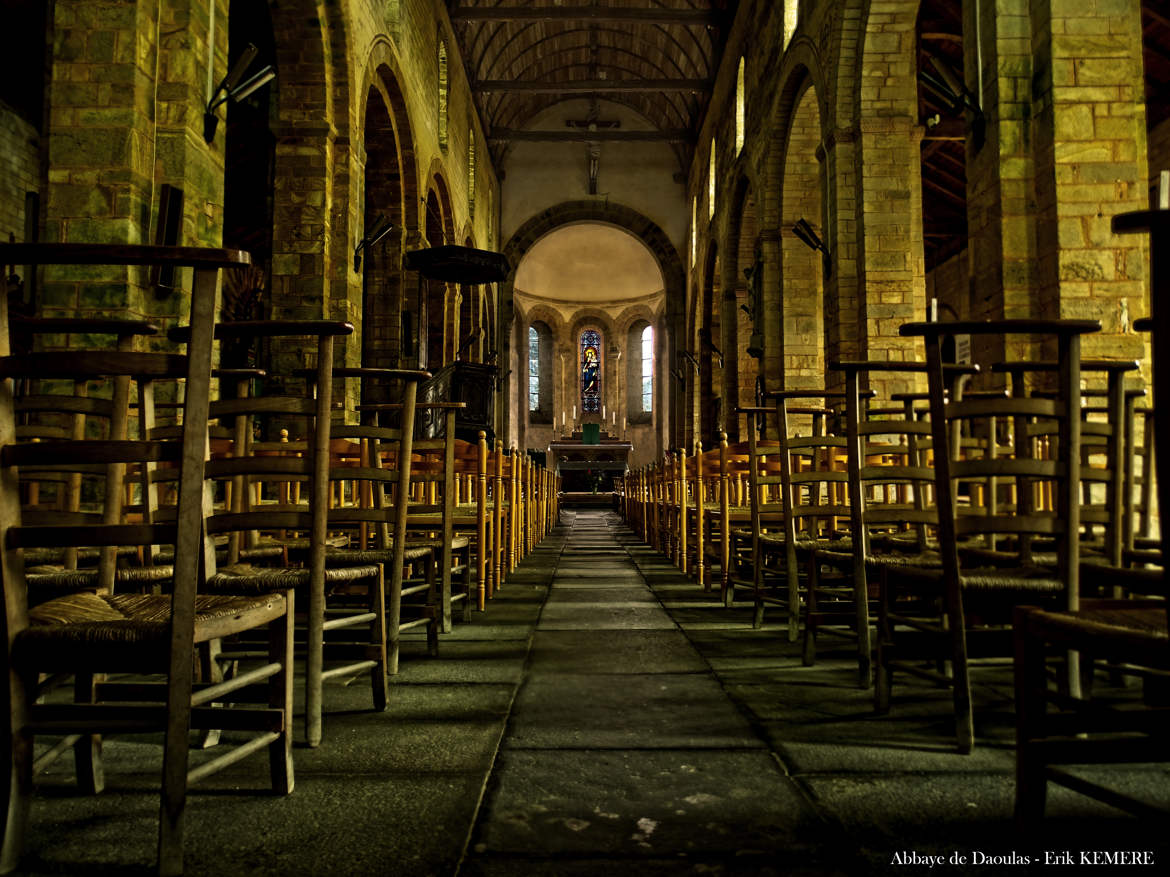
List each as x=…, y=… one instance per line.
x=889, y=454
x=188, y=451
x=258, y=462
x=1106, y=430
x=988, y=418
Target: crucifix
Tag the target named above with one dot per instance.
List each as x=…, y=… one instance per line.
x=592, y=122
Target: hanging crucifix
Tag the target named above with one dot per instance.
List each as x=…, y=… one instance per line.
x=593, y=122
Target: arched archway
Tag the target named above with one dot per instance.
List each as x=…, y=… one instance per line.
x=388, y=334
x=803, y=323
x=709, y=354
x=743, y=346
x=441, y=317
x=666, y=256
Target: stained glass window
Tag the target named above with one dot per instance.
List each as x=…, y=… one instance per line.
x=590, y=370
x=533, y=369
x=648, y=369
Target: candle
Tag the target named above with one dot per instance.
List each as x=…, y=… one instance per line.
x=574, y=414
x=603, y=412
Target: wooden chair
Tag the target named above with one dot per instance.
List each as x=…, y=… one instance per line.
x=732, y=517
x=891, y=509
x=49, y=410
x=975, y=594
x=796, y=493
x=1134, y=633
x=327, y=593
x=101, y=632
x=472, y=516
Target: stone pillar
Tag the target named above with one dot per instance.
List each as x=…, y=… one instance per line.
x=892, y=267
x=1089, y=135
x=126, y=114
x=771, y=321
x=1001, y=244
x=842, y=297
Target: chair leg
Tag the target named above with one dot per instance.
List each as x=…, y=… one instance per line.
x=379, y=671
x=314, y=665
x=961, y=680
x=467, y=585
x=393, y=610
x=809, y=652
x=174, y=782
x=864, y=640
x=280, y=696
x=87, y=751
x=434, y=607
x=209, y=671
x=1031, y=687
x=884, y=678
x=19, y=764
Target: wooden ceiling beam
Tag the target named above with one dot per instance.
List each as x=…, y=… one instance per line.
x=613, y=86
x=949, y=194
x=578, y=136
x=569, y=14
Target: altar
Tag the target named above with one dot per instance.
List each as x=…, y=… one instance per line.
x=590, y=460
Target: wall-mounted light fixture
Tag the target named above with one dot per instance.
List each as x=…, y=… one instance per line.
x=382, y=227
x=231, y=88
x=813, y=241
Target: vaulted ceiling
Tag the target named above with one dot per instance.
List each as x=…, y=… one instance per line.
x=658, y=57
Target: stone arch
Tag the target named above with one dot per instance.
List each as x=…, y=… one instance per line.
x=441, y=314
x=663, y=250
x=547, y=315
x=385, y=152
x=384, y=73
x=708, y=352
x=469, y=314
x=743, y=348
x=804, y=322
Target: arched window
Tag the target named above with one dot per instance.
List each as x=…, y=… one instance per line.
x=791, y=15
x=694, y=231
x=444, y=92
x=711, y=183
x=540, y=401
x=533, y=369
x=740, y=110
x=648, y=370
x=590, y=371
x=471, y=172
x=640, y=373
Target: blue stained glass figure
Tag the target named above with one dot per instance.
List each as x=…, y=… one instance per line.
x=590, y=371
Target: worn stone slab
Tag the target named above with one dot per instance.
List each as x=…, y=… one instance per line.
x=798, y=864
x=464, y=661
x=594, y=570
x=599, y=582
x=654, y=711
x=643, y=803
x=617, y=595
x=567, y=617
x=333, y=823
x=972, y=812
x=612, y=651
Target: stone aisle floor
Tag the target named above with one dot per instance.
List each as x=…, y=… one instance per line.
x=623, y=754
x=605, y=716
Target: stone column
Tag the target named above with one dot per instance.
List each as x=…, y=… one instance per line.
x=893, y=279
x=1089, y=132
x=126, y=115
